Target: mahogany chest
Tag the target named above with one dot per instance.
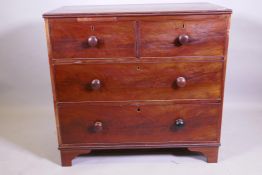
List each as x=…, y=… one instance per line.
x=138, y=76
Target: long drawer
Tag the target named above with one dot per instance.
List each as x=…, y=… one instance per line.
x=138, y=81
x=82, y=123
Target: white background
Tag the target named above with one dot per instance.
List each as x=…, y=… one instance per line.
x=26, y=116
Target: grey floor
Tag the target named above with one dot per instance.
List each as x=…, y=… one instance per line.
x=28, y=145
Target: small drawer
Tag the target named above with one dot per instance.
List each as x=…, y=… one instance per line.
x=76, y=38
x=139, y=123
x=138, y=81
x=195, y=36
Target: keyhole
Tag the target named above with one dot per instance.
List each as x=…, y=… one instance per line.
x=138, y=109
x=138, y=68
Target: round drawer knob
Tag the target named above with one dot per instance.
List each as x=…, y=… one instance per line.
x=181, y=81
x=183, y=39
x=92, y=41
x=98, y=126
x=95, y=84
x=180, y=123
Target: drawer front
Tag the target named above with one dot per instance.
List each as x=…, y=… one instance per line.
x=184, y=37
x=121, y=123
x=141, y=81
x=84, y=39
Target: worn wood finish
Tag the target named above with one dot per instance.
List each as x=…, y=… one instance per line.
x=138, y=76
x=138, y=10
x=155, y=37
x=128, y=81
x=205, y=37
x=70, y=38
x=137, y=123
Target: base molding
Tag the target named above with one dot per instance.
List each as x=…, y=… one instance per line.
x=210, y=152
x=137, y=145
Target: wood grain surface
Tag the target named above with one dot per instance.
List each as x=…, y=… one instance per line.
x=69, y=38
x=138, y=123
x=147, y=81
x=206, y=37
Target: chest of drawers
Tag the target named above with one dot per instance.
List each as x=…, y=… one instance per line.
x=138, y=76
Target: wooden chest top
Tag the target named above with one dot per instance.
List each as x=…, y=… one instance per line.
x=138, y=10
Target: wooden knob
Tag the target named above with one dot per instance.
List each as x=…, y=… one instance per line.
x=181, y=81
x=180, y=123
x=183, y=39
x=98, y=126
x=92, y=41
x=95, y=84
